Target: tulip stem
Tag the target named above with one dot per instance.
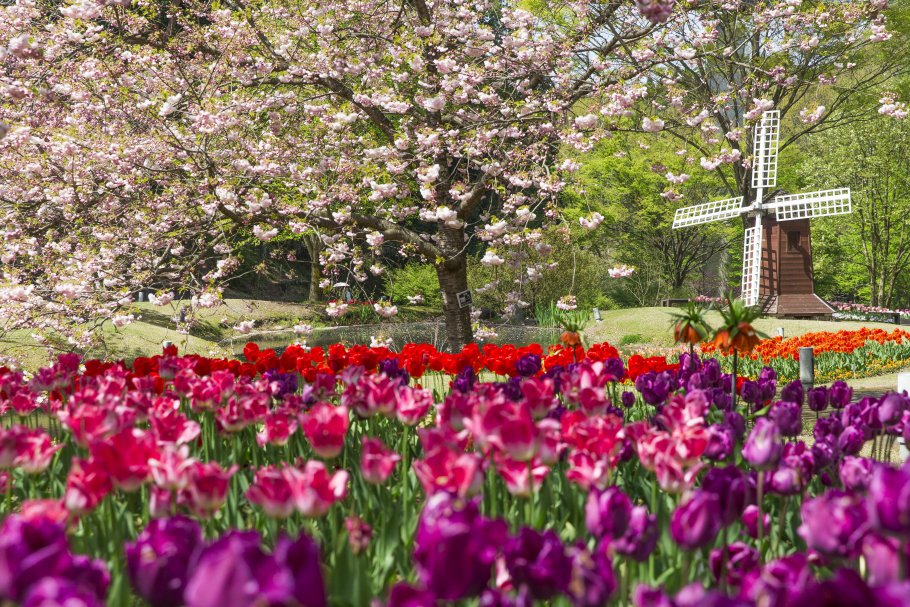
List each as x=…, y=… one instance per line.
x=735, y=360
x=761, y=520
x=405, y=489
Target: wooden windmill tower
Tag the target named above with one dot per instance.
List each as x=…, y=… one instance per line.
x=777, y=252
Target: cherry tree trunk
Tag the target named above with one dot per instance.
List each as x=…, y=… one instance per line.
x=314, y=247
x=453, y=279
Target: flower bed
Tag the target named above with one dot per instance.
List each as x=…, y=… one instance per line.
x=860, y=353
x=331, y=477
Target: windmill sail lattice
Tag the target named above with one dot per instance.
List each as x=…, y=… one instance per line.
x=791, y=207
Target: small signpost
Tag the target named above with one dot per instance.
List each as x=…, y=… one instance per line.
x=464, y=299
x=807, y=367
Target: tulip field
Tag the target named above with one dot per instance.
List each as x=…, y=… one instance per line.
x=361, y=476
x=860, y=353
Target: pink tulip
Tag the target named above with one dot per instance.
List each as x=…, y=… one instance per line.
x=171, y=468
x=359, y=533
x=412, y=404
x=87, y=484
x=446, y=470
x=315, y=490
x=272, y=491
x=518, y=475
x=280, y=424
x=169, y=425
x=126, y=456
x=208, y=488
x=325, y=426
x=377, y=462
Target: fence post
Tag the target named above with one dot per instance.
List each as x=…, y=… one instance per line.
x=807, y=367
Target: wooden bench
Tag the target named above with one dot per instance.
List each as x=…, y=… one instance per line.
x=670, y=302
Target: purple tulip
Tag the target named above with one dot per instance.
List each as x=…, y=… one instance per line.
x=641, y=537
x=817, y=399
x=593, y=581
x=607, y=513
x=711, y=375
x=778, y=580
x=851, y=440
x=528, y=365
x=246, y=575
x=453, y=536
x=61, y=592
x=891, y=595
x=834, y=523
x=650, y=597
x=614, y=369
x=653, y=387
x=464, y=381
x=538, y=561
x=158, y=561
x=828, y=428
x=628, y=399
x=737, y=423
x=733, y=490
x=498, y=598
x=30, y=550
x=300, y=558
x=750, y=521
x=845, y=589
x=889, y=499
x=824, y=454
x=794, y=470
x=405, y=595
x=89, y=574
x=696, y=523
x=750, y=392
x=793, y=392
x=762, y=448
x=891, y=408
x=741, y=560
x=840, y=394
x=720, y=442
x=855, y=472
x=788, y=417
x=696, y=595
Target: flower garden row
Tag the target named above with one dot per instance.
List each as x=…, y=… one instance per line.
x=860, y=353
x=329, y=478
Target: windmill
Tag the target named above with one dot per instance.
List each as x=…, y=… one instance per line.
x=777, y=255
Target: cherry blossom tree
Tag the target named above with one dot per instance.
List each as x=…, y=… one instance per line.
x=146, y=139
x=811, y=60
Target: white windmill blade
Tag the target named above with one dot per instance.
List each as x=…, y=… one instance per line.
x=708, y=212
x=812, y=204
x=767, y=134
x=752, y=247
